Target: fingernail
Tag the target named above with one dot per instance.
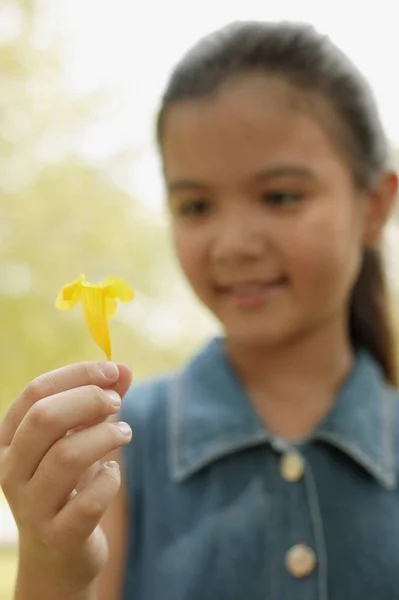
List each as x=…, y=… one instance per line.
x=109, y=370
x=114, y=397
x=112, y=464
x=124, y=428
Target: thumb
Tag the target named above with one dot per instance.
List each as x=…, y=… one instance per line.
x=124, y=380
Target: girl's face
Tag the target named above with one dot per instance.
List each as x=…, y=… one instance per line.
x=267, y=223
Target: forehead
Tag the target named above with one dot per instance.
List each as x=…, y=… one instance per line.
x=250, y=124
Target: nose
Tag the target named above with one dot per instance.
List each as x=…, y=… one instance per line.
x=240, y=237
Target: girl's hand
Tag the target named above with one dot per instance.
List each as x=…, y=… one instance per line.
x=52, y=440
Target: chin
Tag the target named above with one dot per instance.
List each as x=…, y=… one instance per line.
x=260, y=335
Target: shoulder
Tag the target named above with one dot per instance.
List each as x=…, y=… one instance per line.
x=144, y=398
x=393, y=395
x=393, y=410
x=390, y=446
x=154, y=408
x=144, y=407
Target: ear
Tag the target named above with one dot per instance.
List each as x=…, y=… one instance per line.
x=380, y=204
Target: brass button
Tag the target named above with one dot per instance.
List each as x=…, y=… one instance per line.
x=300, y=561
x=292, y=466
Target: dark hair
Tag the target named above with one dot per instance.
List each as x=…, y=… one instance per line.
x=310, y=62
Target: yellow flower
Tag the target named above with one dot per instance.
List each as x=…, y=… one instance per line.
x=99, y=302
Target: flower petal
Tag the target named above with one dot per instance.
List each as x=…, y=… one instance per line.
x=111, y=305
x=94, y=306
x=70, y=295
x=118, y=288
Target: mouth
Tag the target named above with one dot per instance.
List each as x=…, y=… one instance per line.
x=251, y=293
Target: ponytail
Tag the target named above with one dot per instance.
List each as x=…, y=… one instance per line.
x=370, y=322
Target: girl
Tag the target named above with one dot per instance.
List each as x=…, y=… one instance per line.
x=267, y=468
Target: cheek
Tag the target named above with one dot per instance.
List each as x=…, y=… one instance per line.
x=325, y=255
x=191, y=252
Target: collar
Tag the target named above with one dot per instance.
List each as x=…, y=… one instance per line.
x=211, y=417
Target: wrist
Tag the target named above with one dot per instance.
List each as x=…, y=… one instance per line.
x=35, y=586
x=39, y=591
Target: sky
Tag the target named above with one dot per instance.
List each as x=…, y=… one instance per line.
x=128, y=50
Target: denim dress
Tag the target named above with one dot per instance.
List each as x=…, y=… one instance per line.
x=221, y=509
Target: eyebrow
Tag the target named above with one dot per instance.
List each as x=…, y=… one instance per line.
x=285, y=171
x=181, y=185
x=278, y=171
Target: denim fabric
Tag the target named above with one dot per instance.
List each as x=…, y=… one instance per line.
x=213, y=518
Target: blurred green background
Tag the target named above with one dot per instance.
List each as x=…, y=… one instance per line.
x=63, y=212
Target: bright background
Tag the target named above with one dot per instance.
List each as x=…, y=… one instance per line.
x=80, y=185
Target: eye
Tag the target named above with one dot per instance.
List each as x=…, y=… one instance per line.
x=195, y=208
x=281, y=198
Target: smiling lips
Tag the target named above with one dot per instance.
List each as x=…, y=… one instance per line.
x=252, y=294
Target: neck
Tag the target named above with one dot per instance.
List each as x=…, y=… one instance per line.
x=293, y=386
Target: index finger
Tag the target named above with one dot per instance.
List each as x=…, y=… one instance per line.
x=104, y=374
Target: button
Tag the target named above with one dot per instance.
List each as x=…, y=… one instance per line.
x=292, y=466
x=300, y=561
